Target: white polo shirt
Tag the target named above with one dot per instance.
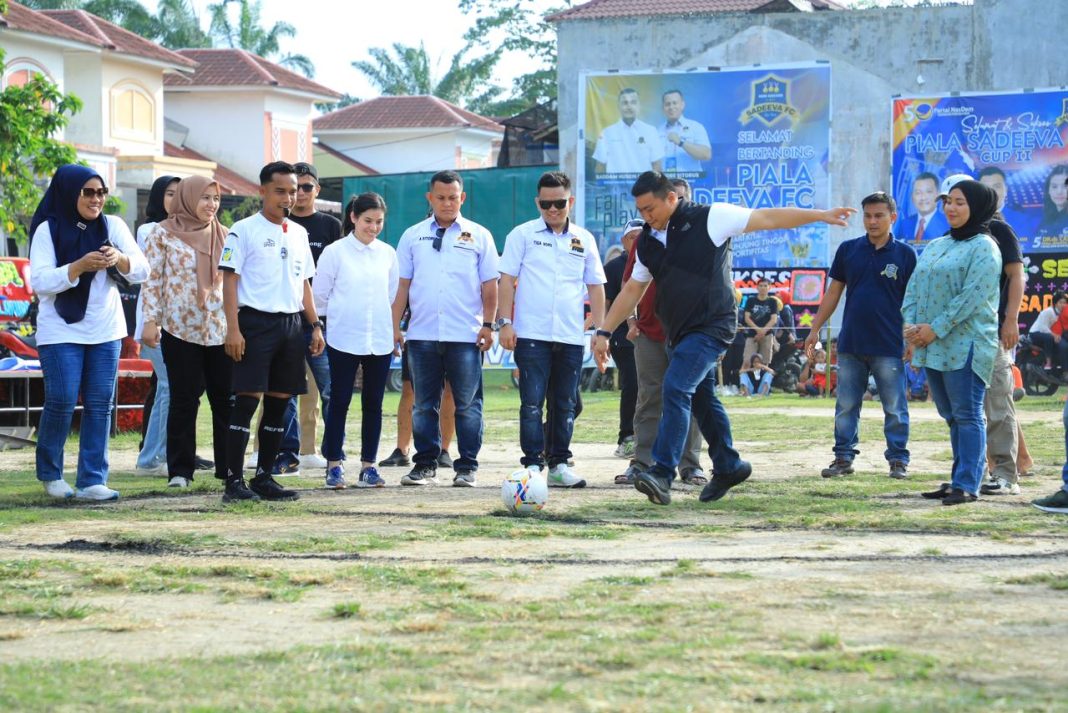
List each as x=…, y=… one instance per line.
x=446, y=290
x=354, y=287
x=628, y=149
x=675, y=157
x=272, y=262
x=724, y=222
x=553, y=272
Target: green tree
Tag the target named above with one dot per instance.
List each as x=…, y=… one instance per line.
x=30, y=116
x=522, y=26
x=249, y=34
x=407, y=72
x=345, y=100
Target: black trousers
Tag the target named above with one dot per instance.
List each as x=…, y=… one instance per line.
x=192, y=369
x=623, y=356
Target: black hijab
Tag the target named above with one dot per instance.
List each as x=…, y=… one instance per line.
x=982, y=204
x=155, y=211
x=72, y=235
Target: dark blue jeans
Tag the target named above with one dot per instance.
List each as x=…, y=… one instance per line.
x=431, y=363
x=1064, y=469
x=958, y=395
x=320, y=369
x=541, y=364
x=689, y=388
x=343, y=371
x=1056, y=351
x=889, y=373
x=68, y=369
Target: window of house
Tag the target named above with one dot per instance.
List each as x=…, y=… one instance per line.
x=133, y=112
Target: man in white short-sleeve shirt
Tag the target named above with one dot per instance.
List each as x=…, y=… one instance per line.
x=685, y=141
x=548, y=265
x=448, y=276
x=629, y=145
x=266, y=264
x=686, y=248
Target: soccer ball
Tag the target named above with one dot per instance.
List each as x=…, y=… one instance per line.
x=524, y=492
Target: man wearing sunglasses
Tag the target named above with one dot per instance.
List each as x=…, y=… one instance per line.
x=448, y=275
x=299, y=443
x=547, y=266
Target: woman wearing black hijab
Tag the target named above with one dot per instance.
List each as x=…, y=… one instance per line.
x=80, y=323
x=951, y=322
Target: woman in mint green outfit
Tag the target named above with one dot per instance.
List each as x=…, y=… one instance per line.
x=951, y=322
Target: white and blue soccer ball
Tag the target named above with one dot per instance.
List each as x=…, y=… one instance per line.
x=524, y=492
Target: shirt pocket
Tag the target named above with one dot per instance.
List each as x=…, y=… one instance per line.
x=461, y=261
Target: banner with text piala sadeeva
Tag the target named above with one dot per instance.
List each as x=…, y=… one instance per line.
x=1015, y=142
x=754, y=136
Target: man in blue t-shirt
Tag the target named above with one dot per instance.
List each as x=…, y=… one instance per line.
x=875, y=269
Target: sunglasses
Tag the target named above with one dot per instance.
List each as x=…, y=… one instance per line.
x=437, y=239
x=307, y=187
x=94, y=192
x=558, y=204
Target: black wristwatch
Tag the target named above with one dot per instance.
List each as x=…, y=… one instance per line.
x=604, y=333
x=317, y=323
x=487, y=325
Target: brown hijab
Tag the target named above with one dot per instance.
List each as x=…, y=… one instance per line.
x=205, y=238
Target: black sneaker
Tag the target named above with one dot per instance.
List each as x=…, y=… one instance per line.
x=958, y=497
x=236, y=491
x=203, y=463
x=397, y=459
x=655, y=487
x=268, y=488
x=943, y=491
x=420, y=475
x=444, y=461
x=838, y=468
x=722, y=482
x=899, y=470
x=464, y=479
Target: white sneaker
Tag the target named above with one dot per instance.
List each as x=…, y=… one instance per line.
x=96, y=492
x=160, y=469
x=625, y=449
x=253, y=460
x=178, y=481
x=312, y=460
x=562, y=477
x=58, y=488
x=534, y=469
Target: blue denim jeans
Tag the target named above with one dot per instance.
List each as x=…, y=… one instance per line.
x=154, y=452
x=320, y=369
x=92, y=370
x=343, y=368
x=889, y=373
x=958, y=395
x=542, y=363
x=689, y=387
x=1064, y=470
x=431, y=363
x=759, y=388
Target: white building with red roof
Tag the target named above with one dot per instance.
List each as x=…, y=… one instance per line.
x=410, y=133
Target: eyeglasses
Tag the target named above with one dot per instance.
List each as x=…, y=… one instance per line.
x=94, y=192
x=558, y=204
x=437, y=239
x=307, y=187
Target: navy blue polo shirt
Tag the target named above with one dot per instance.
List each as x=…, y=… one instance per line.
x=875, y=283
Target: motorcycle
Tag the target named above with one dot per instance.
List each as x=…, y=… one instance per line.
x=1036, y=369
x=787, y=363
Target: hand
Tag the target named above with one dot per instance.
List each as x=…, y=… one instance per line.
x=632, y=329
x=811, y=341
x=507, y=337
x=600, y=352
x=485, y=339
x=837, y=216
x=1010, y=335
x=674, y=138
x=1056, y=339
x=91, y=262
x=150, y=334
x=398, y=341
x=318, y=344
x=920, y=335
x=235, y=344
x=111, y=254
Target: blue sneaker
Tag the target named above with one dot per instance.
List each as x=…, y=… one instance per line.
x=335, y=478
x=369, y=478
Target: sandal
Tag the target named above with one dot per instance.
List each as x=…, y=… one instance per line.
x=627, y=477
x=693, y=476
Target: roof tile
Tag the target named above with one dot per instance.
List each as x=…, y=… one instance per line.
x=117, y=39
x=406, y=112
x=603, y=9
x=19, y=17
x=225, y=67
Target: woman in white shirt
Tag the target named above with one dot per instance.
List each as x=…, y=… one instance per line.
x=355, y=284
x=80, y=323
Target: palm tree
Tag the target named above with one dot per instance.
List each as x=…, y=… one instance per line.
x=175, y=25
x=179, y=25
x=406, y=71
x=249, y=35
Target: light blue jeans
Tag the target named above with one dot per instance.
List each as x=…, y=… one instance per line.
x=889, y=374
x=958, y=395
x=154, y=452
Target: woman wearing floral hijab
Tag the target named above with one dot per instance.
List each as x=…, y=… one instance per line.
x=183, y=313
x=80, y=323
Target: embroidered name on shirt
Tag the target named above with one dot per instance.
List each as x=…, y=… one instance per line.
x=268, y=243
x=890, y=271
x=576, y=245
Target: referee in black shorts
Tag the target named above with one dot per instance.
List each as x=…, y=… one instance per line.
x=267, y=263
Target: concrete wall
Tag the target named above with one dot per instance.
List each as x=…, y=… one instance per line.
x=874, y=54
x=225, y=126
x=410, y=150
x=116, y=74
x=24, y=51
x=82, y=71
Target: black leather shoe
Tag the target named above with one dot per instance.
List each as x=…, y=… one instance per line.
x=958, y=497
x=722, y=482
x=237, y=491
x=655, y=487
x=203, y=464
x=943, y=491
x=268, y=488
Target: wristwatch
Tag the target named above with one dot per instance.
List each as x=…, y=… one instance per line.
x=487, y=325
x=604, y=333
x=317, y=323
x=501, y=322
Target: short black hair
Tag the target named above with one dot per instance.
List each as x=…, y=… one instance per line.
x=268, y=172
x=880, y=197
x=683, y=185
x=764, y=279
x=991, y=171
x=653, y=182
x=627, y=90
x=554, y=179
x=445, y=177
x=1058, y=296
x=672, y=91
x=926, y=176
x=359, y=205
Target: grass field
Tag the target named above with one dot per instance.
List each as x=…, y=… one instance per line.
x=793, y=593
